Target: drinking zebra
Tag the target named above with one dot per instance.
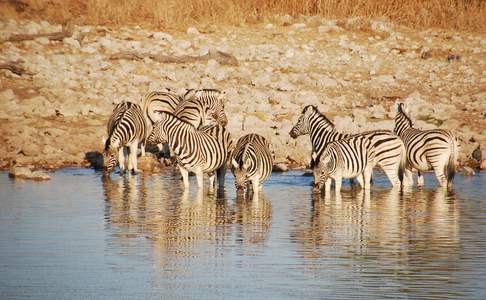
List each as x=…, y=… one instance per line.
x=434, y=149
x=202, y=107
x=346, y=158
x=388, y=147
x=199, y=151
x=127, y=127
x=252, y=161
x=155, y=102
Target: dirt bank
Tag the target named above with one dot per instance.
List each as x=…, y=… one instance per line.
x=54, y=109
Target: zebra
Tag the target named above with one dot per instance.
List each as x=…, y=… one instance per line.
x=199, y=151
x=127, y=127
x=251, y=161
x=346, y=158
x=434, y=149
x=202, y=107
x=389, y=148
x=155, y=102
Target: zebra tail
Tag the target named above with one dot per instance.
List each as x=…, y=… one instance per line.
x=403, y=164
x=450, y=167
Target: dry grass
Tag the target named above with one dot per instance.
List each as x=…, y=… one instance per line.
x=178, y=14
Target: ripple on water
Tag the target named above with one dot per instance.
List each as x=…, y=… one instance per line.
x=85, y=235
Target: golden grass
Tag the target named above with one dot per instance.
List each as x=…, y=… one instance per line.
x=178, y=14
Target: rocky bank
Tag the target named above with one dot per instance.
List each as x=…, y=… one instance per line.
x=53, y=113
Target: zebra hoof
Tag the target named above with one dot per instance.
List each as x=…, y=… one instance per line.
x=134, y=172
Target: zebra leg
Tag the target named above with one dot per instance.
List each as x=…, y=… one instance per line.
x=211, y=177
x=199, y=178
x=185, y=176
x=121, y=159
x=142, y=147
x=439, y=174
x=407, y=178
x=420, y=179
x=367, y=177
x=327, y=185
x=391, y=172
x=132, y=158
x=338, y=182
x=221, y=172
x=256, y=185
x=361, y=180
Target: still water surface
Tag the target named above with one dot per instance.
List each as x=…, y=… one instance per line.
x=83, y=236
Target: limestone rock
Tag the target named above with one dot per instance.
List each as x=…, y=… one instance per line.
x=26, y=173
x=280, y=167
x=468, y=171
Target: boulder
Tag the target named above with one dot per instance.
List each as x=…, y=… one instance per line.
x=26, y=173
x=280, y=167
x=192, y=31
x=468, y=171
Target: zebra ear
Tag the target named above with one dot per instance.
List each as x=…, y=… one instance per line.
x=222, y=96
x=401, y=107
x=234, y=163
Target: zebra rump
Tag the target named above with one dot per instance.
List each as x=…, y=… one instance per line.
x=202, y=107
x=252, y=161
x=434, y=149
x=126, y=128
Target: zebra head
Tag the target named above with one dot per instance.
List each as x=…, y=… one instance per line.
x=157, y=136
x=214, y=101
x=110, y=159
x=326, y=166
x=302, y=126
x=402, y=121
x=240, y=172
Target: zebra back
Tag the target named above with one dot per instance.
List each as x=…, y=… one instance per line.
x=252, y=158
x=202, y=107
x=154, y=102
x=348, y=156
x=127, y=125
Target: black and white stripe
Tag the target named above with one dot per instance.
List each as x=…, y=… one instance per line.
x=434, y=149
x=127, y=127
x=252, y=161
x=155, y=102
x=198, y=151
x=388, y=147
x=202, y=107
x=346, y=158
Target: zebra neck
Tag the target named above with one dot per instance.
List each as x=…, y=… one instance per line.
x=320, y=128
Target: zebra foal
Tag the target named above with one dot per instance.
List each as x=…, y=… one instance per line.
x=126, y=127
x=434, y=149
x=389, y=148
x=199, y=151
x=346, y=158
x=252, y=161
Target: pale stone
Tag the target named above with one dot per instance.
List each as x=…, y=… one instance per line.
x=72, y=42
x=192, y=31
x=468, y=171
x=26, y=173
x=280, y=167
x=163, y=36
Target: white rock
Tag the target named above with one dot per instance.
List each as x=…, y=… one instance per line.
x=7, y=95
x=328, y=28
x=163, y=36
x=192, y=31
x=325, y=81
x=26, y=173
x=262, y=79
x=269, y=26
x=298, y=26
x=90, y=49
x=215, y=70
x=384, y=79
x=182, y=44
x=72, y=42
x=43, y=40
x=33, y=28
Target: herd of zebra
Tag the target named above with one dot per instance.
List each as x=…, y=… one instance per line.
x=192, y=128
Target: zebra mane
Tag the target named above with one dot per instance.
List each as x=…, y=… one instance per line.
x=321, y=115
x=401, y=111
x=175, y=117
x=107, y=143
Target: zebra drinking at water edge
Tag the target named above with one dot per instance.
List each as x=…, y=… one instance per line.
x=388, y=147
x=126, y=128
x=251, y=161
x=199, y=151
x=434, y=149
x=346, y=158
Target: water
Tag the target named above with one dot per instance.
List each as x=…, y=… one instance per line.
x=82, y=236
